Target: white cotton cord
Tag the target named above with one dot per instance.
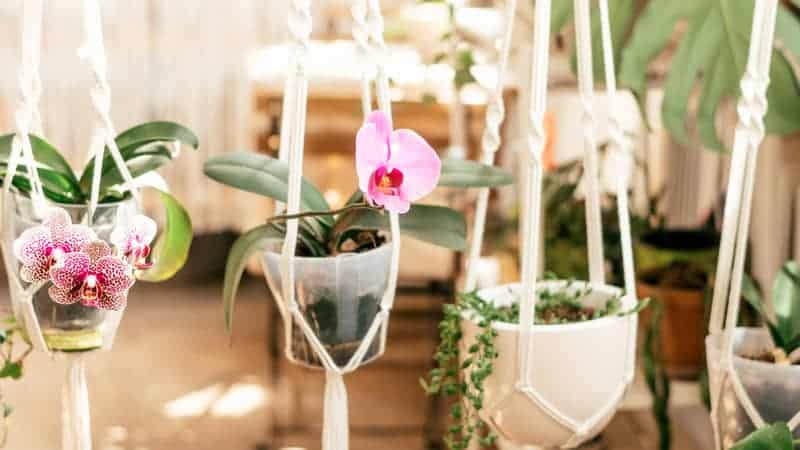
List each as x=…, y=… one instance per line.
x=490, y=143
x=335, y=432
x=93, y=51
x=76, y=432
x=375, y=24
x=362, y=38
x=27, y=114
x=533, y=186
x=594, y=227
x=96, y=147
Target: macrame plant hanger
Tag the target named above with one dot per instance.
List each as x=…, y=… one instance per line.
x=368, y=31
x=75, y=399
x=531, y=199
x=751, y=109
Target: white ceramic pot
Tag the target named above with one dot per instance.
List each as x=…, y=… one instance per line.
x=774, y=389
x=68, y=328
x=578, y=368
x=339, y=297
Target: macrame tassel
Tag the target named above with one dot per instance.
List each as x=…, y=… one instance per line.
x=77, y=434
x=335, y=426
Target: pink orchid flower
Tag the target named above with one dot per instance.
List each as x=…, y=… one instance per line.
x=133, y=236
x=93, y=277
x=39, y=248
x=395, y=167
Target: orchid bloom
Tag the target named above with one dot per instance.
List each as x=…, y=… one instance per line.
x=133, y=235
x=395, y=167
x=93, y=277
x=40, y=247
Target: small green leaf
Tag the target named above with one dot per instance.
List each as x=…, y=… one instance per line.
x=771, y=437
x=244, y=247
x=7, y=410
x=262, y=175
x=464, y=173
x=11, y=370
x=139, y=162
x=786, y=302
x=171, y=249
x=56, y=186
x=437, y=225
x=752, y=295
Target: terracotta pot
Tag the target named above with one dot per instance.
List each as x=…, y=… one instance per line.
x=683, y=327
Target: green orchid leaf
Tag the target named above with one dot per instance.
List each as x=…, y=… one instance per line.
x=752, y=294
x=138, y=161
x=464, y=173
x=714, y=48
x=135, y=142
x=57, y=186
x=772, y=437
x=437, y=225
x=262, y=175
x=244, y=247
x=44, y=153
x=171, y=248
x=786, y=302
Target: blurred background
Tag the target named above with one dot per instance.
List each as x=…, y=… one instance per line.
x=173, y=380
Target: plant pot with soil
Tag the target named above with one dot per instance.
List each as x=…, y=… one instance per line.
x=766, y=360
x=674, y=268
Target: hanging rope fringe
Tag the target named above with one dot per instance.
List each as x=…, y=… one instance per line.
x=335, y=432
x=75, y=400
x=751, y=109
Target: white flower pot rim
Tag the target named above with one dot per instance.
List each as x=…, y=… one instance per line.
x=385, y=247
x=742, y=333
x=608, y=321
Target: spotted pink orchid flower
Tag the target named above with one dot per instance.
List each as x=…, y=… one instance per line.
x=395, y=167
x=93, y=277
x=133, y=236
x=40, y=247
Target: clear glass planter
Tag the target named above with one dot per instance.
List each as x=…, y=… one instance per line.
x=66, y=328
x=339, y=297
x=774, y=389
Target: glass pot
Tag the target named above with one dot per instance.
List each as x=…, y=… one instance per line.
x=67, y=328
x=339, y=297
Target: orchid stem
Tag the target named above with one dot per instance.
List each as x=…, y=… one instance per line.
x=333, y=212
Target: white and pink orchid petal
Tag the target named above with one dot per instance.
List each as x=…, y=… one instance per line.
x=35, y=273
x=113, y=302
x=95, y=250
x=57, y=221
x=418, y=162
x=145, y=227
x=64, y=296
x=396, y=202
x=31, y=247
x=70, y=270
x=372, y=152
x=73, y=238
x=114, y=275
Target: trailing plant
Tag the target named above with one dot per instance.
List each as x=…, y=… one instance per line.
x=656, y=377
x=14, y=349
x=144, y=149
x=772, y=437
x=462, y=379
x=395, y=168
x=783, y=322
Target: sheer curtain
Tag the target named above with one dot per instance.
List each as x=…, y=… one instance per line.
x=181, y=60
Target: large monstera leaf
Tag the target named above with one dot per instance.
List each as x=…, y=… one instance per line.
x=712, y=53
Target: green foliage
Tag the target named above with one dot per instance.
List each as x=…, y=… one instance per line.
x=460, y=377
x=143, y=148
x=171, y=248
x=12, y=363
x=713, y=51
x=656, y=378
x=784, y=324
x=463, y=173
x=772, y=437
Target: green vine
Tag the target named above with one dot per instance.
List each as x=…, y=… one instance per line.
x=461, y=379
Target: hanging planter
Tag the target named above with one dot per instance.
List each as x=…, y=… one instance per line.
x=518, y=355
x=583, y=313
x=339, y=296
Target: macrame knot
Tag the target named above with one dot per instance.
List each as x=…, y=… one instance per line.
x=752, y=106
x=300, y=26
x=494, y=118
x=22, y=119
